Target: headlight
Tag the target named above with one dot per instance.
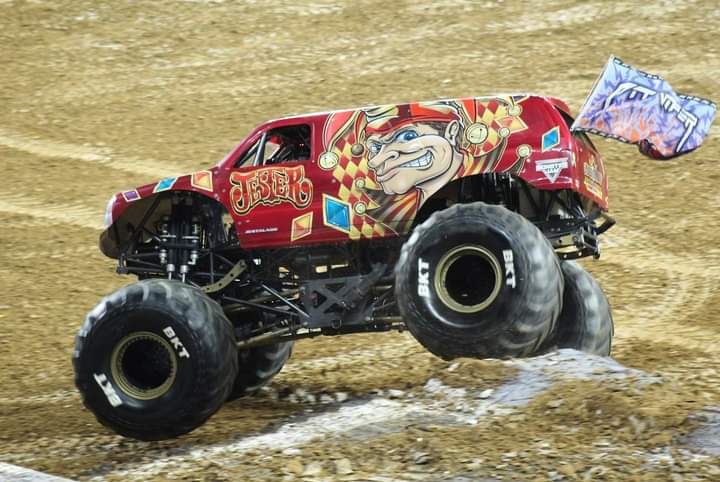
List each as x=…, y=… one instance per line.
x=108, y=211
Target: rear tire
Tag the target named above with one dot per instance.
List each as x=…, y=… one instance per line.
x=585, y=322
x=478, y=280
x=155, y=359
x=257, y=366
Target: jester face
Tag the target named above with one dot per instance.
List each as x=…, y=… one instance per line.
x=412, y=155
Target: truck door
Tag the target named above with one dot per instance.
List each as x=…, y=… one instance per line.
x=272, y=197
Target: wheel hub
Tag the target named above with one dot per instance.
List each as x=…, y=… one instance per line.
x=468, y=278
x=144, y=365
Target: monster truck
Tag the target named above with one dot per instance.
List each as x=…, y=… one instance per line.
x=457, y=220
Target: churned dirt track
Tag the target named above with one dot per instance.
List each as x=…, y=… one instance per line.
x=95, y=98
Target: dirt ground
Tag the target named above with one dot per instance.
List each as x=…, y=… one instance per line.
x=97, y=97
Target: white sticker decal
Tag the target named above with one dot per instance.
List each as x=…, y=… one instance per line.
x=423, y=278
x=108, y=389
x=176, y=343
x=509, y=268
x=551, y=167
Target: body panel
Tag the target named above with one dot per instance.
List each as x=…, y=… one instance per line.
x=369, y=170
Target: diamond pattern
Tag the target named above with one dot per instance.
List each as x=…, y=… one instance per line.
x=551, y=138
x=165, y=184
x=336, y=213
x=131, y=195
x=301, y=226
x=202, y=180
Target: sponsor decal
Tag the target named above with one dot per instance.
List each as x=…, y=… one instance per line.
x=551, y=168
x=270, y=186
x=261, y=230
x=551, y=138
x=301, y=226
x=423, y=278
x=108, y=390
x=131, y=196
x=202, y=180
x=509, y=268
x=176, y=343
x=165, y=184
x=593, y=178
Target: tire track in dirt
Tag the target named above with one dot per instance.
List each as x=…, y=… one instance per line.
x=544, y=15
x=97, y=155
x=27, y=221
x=692, y=283
x=55, y=253
x=77, y=214
x=52, y=397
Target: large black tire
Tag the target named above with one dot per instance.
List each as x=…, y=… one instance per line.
x=585, y=322
x=257, y=366
x=478, y=280
x=155, y=359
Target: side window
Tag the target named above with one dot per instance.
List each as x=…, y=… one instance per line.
x=282, y=144
x=288, y=143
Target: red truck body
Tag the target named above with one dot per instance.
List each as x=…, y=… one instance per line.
x=347, y=185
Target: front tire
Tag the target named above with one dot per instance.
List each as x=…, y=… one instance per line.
x=155, y=359
x=257, y=366
x=478, y=280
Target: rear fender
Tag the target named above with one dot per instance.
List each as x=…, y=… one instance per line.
x=548, y=156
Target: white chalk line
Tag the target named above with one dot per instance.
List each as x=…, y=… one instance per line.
x=14, y=473
x=345, y=419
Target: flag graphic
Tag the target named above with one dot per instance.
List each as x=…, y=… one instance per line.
x=640, y=108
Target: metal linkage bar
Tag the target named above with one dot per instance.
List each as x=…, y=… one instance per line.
x=261, y=307
x=284, y=300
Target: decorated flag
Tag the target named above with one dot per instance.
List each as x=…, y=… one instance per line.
x=640, y=108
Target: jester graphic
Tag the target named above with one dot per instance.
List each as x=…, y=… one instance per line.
x=390, y=159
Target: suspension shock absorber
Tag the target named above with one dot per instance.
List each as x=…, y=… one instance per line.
x=181, y=235
x=191, y=244
x=195, y=237
x=167, y=237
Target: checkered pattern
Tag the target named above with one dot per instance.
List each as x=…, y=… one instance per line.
x=349, y=171
x=495, y=114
